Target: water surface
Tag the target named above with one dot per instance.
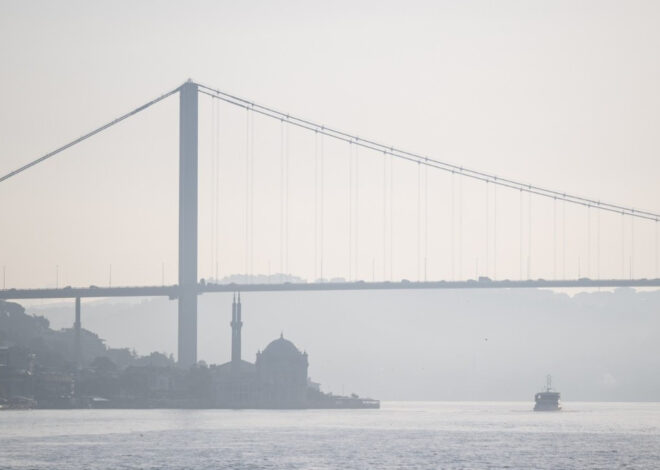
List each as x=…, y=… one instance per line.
x=400, y=435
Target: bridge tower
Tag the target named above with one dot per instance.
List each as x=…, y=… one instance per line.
x=188, y=117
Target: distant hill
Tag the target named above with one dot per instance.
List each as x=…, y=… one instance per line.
x=421, y=345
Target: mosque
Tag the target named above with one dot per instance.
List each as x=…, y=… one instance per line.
x=277, y=380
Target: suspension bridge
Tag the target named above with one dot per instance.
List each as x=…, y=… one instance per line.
x=189, y=285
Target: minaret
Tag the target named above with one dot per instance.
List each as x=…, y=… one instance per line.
x=236, y=325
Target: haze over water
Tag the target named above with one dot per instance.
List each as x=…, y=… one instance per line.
x=400, y=435
x=558, y=94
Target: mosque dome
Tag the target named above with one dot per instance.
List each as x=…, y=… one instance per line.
x=281, y=348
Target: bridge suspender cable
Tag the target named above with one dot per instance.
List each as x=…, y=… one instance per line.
x=286, y=197
x=248, y=199
x=623, y=246
x=247, y=196
x=598, y=245
x=350, y=210
x=453, y=227
x=563, y=236
x=218, y=186
x=282, y=267
x=487, y=229
x=588, y=241
x=554, y=239
x=391, y=217
x=657, y=273
x=321, y=216
x=316, y=204
x=384, y=278
x=494, y=232
x=248, y=153
x=520, y=237
x=419, y=215
x=426, y=221
x=402, y=154
x=357, y=213
x=88, y=135
x=252, y=132
x=632, y=246
x=460, y=229
x=529, y=235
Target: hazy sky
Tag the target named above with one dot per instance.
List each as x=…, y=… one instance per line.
x=560, y=94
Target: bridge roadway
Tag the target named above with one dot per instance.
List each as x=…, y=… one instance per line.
x=173, y=291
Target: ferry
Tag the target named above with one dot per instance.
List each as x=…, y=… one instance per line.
x=547, y=400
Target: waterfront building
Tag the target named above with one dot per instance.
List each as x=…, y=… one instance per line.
x=278, y=379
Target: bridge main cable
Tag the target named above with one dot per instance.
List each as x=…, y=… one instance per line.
x=413, y=157
x=88, y=135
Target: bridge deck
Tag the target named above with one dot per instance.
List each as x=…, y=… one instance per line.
x=173, y=291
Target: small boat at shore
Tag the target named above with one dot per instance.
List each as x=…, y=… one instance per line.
x=548, y=399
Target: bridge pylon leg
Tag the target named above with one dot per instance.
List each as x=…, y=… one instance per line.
x=77, y=341
x=188, y=135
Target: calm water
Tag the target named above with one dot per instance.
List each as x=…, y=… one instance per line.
x=400, y=435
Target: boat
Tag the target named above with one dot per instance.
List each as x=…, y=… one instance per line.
x=548, y=399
